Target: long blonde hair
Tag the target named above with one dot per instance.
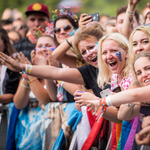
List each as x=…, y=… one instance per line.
x=104, y=73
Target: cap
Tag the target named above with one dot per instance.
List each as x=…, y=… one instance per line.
x=37, y=7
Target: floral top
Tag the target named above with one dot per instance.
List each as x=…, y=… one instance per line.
x=125, y=82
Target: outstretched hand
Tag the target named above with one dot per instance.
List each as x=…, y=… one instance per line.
x=11, y=63
x=143, y=137
x=21, y=58
x=87, y=99
x=134, y=2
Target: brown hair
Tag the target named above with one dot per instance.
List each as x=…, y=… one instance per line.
x=123, y=9
x=9, y=49
x=94, y=30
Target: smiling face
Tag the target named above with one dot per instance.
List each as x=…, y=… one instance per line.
x=45, y=44
x=88, y=49
x=142, y=70
x=63, y=35
x=140, y=42
x=113, y=56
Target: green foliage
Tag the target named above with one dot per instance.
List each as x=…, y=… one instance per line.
x=107, y=7
x=23, y=4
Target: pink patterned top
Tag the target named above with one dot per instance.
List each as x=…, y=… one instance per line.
x=125, y=82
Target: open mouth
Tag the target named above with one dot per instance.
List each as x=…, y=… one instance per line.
x=112, y=64
x=146, y=81
x=94, y=59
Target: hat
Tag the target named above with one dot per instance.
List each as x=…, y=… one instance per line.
x=37, y=7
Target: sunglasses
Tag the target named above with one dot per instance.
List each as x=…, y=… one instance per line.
x=66, y=28
x=19, y=27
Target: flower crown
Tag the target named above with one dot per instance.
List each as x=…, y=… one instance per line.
x=65, y=11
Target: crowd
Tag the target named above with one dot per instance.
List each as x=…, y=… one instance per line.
x=68, y=82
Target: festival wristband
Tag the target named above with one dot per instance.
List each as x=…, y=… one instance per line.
x=108, y=101
x=28, y=68
x=130, y=12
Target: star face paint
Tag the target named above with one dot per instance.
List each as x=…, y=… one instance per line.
x=119, y=55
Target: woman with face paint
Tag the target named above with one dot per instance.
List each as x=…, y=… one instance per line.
x=86, y=42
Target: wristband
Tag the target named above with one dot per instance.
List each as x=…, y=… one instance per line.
x=68, y=43
x=28, y=68
x=108, y=101
x=130, y=12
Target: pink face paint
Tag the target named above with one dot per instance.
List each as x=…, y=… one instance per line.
x=52, y=48
x=119, y=55
x=36, y=49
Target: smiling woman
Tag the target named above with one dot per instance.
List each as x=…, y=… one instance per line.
x=113, y=58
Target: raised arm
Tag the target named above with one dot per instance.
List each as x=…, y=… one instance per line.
x=60, y=53
x=128, y=21
x=47, y=72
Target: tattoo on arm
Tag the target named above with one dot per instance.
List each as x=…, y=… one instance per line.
x=131, y=21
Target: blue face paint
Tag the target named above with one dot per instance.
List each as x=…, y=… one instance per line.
x=36, y=49
x=44, y=47
x=52, y=48
x=119, y=55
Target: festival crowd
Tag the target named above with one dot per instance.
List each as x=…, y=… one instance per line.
x=71, y=82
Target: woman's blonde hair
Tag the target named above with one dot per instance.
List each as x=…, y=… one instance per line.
x=92, y=31
x=146, y=30
x=104, y=73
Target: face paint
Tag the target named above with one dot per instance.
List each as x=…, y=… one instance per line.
x=119, y=55
x=44, y=47
x=52, y=48
x=36, y=49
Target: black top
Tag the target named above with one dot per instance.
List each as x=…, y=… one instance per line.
x=25, y=46
x=89, y=75
x=12, y=82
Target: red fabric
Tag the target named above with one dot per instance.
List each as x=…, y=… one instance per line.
x=91, y=117
x=91, y=137
x=113, y=139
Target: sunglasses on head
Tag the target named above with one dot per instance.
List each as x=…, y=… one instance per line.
x=66, y=28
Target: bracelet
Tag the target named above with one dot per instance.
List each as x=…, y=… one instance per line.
x=24, y=83
x=108, y=101
x=32, y=80
x=130, y=105
x=100, y=102
x=130, y=12
x=24, y=72
x=28, y=68
x=69, y=43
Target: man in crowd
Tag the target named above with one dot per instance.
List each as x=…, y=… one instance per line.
x=37, y=14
